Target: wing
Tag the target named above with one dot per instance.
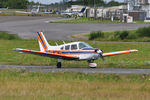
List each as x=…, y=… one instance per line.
x=118, y=53
x=52, y=55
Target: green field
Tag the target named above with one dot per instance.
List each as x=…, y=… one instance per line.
x=24, y=14
x=84, y=20
x=140, y=59
x=124, y=36
x=92, y=20
x=22, y=85
x=120, y=36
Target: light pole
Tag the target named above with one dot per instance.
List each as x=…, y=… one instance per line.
x=94, y=3
x=94, y=10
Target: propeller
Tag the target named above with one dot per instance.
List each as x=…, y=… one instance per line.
x=100, y=52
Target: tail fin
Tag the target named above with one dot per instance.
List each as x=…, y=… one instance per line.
x=82, y=10
x=42, y=42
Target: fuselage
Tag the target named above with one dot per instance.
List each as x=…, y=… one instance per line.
x=76, y=49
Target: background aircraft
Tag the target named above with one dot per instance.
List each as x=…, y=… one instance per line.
x=70, y=51
x=74, y=13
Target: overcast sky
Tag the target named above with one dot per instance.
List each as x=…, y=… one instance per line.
x=53, y=1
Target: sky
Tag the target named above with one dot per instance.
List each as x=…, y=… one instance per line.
x=54, y=1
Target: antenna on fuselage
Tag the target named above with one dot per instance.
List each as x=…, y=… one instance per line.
x=56, y=43
x=64, y=42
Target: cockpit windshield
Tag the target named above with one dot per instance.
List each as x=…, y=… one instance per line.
x=84, y=45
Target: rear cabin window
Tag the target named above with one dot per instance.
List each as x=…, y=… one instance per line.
x=74, y=47
x=62, y=48
x=67, y=47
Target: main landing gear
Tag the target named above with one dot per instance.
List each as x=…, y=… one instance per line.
x=92, y=64
x=59, y=63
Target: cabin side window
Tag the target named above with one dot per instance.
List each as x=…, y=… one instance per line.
x=84, y=45
x=67, y=47
x=74, y=47
x=62, y=48
x=81, y=45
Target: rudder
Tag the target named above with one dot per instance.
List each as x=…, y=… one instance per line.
x=42, y=42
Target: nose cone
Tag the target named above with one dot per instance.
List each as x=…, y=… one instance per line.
x=99, y=51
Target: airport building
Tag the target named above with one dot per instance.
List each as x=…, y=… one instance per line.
x=139, y=9
x=115, y=12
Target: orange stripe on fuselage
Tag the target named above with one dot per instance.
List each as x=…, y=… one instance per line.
x=49, y=53
x=72, y=52
x=43, y=41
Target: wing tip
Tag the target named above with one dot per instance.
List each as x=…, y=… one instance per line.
x=135, y=50
x=17, y=49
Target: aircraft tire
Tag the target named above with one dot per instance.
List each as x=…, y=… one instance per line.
x=59, y=65
x=92, y=67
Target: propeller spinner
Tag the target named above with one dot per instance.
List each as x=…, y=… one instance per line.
x=100, y=52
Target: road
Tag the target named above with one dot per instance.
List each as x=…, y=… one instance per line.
x=81, y=70
x=27, y=26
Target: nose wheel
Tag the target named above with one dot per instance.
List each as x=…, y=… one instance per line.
x=92, y=64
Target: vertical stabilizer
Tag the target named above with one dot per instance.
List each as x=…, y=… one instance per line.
x=42, y=42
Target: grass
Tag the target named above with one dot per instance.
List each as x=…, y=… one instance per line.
x=140, y=59
x=84, y=20
x=93, y=20
x=13, y=9
x=6, y=36
x=16, y=85
x=112, y=36
x=23, y=14
x=139, y=35
x=24, y=85
x=142, y=22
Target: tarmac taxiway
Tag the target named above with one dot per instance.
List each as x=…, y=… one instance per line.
x=27, y=26
x=80, y=70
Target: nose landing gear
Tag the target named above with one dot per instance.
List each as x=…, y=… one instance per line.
x=92, y=64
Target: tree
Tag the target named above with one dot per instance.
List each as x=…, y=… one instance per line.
x=87, y=2
x=113, y=3
x=14, y=4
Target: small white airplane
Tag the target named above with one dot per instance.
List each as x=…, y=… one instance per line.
x=74, y=13
x=70, y=51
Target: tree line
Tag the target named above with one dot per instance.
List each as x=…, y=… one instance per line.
x=15, y=4
x=22, y=4
x=92, y=3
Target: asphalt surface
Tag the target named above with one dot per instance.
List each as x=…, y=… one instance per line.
x=81, y=70
x=27, y=26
